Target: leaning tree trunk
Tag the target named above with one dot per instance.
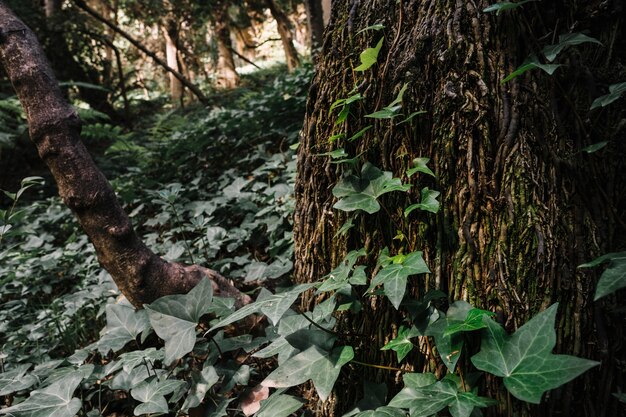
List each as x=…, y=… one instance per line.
x=54, y=127
x=227, y=76
x=522, y=206
x=283, y=26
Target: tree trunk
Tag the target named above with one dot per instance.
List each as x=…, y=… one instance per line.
x=170, y=32
x=54, y=127
x=226, y=69
x=315, y=20
x=284, y=30
x=522, y=206
x=52, y=7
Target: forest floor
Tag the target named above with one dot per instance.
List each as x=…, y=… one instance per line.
x=206, y=185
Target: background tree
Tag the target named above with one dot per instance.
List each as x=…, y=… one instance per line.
x=522, y=203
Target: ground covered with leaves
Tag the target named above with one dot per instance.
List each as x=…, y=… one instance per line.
x=208, y=185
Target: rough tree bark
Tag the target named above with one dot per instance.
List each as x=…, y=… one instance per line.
x=196, y=91
x=54, y=127
x=284, y=30
x=522, y=206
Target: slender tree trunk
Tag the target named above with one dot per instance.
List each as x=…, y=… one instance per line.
x=197, y=92
x=170, y=33
x=54, y=127
x=522, y=206
x=315, y=20
x=52, y=7
x=227, y=74
x=284, y=30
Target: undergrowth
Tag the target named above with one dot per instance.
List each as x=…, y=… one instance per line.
x=211, y=186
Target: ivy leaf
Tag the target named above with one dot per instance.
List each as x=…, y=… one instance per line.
x=428, y=202
x=53, y=401
x=504, y=5
x=385, y=113
x=473, y=321
x=279, y=405
x=449, y=346
x=174, y=319
x=377, y=26
x=613, y=278
x=16, y=380
x=424, y=396
x=275, y=305
x=595, y=147
x=384, y=411
x=531, y=63
x=402, y=344
x=524, y=359
x=551, y=51
x=359, y=133
x=394, y=276
x=130, y=360
x=201, y=383
x=615, y=92
x=345, y=272
x=370, y=56
x=124, y=324
x=419, y=165
x=152, y=395
x=315, y=364
x=360, y=193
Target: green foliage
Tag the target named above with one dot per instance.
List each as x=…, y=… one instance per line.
x=614, y=276
x=53, y=401
x=615, y=92
x=361, y=192
x=394, y=273
x=369, y=56
x=503, y=6
x=524, y=359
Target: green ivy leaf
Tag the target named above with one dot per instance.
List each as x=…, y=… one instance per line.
x=376, y=26
x=360, y=193
x=531, y=63
x=429, y=399
x=344, y=274
x=473, y=321
x=359, y=133
x=315, y=364
x=385, y=113
x=130, y=360
x=615, y=92
x=152, y=395
x=524, y=359
x=394, y=276
x=275, y=305
x=124, y=324
x=402, y=344
x=53, y=401
x=449, y=346
x=279, y=405
x=428, y=202
x=201, y=384
x=174, y=318
x=614, y=277
x=504, y=5
x=569, y=39
x=384, y=411
x=419, y=165
x=16, y=380
x=370, y=56
x=595, y=147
